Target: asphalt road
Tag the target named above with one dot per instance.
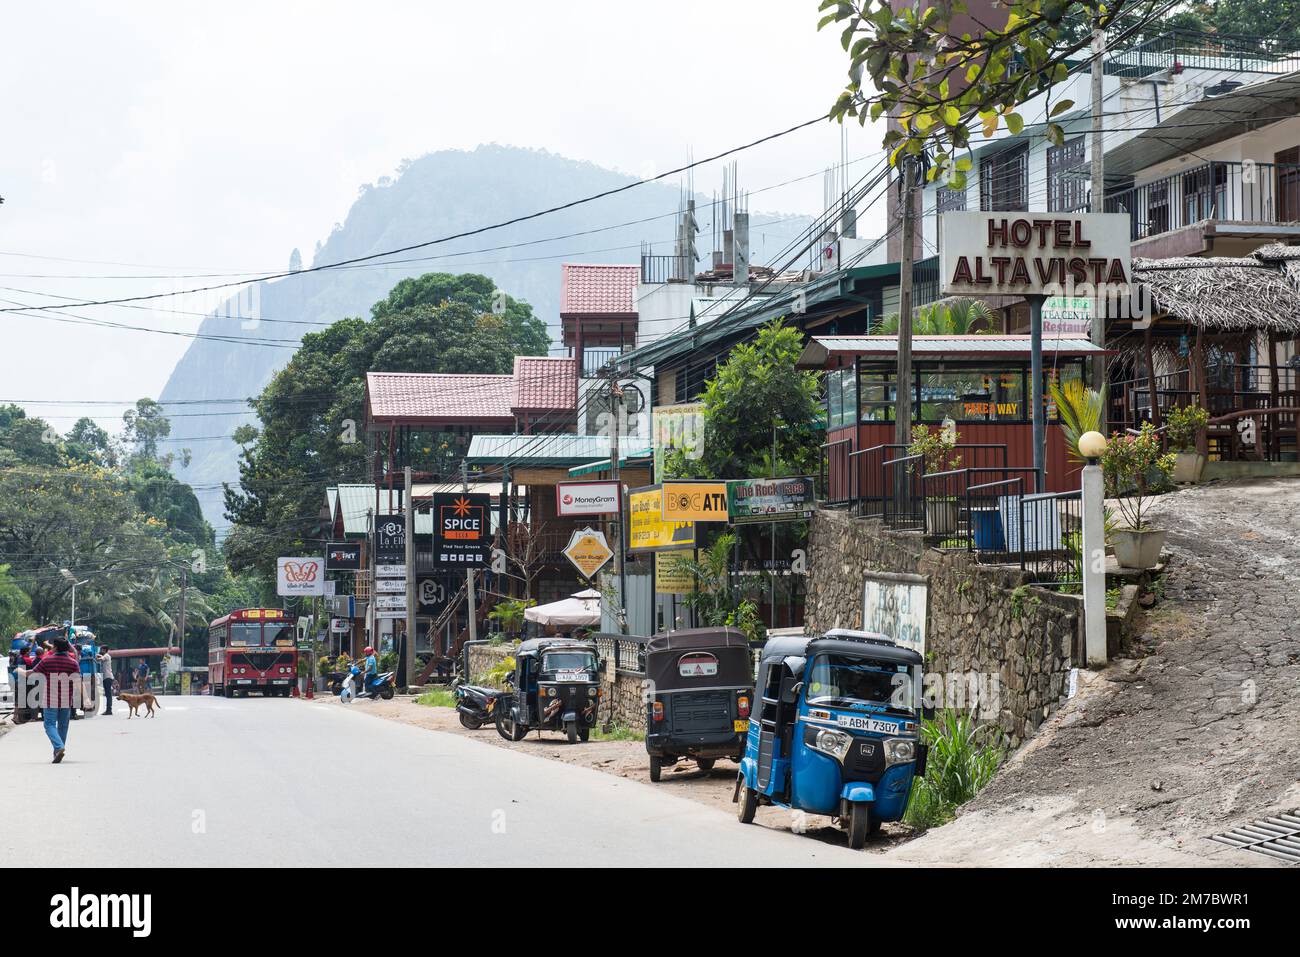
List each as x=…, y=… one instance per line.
x=270, y=782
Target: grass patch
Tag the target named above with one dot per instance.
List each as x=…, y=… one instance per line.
x=616, y=733
x=437, y=698
x=963, y=758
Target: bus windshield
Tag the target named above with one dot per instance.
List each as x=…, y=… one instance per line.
x=843, y=680
x=280, y=634
x=569, y=661
x=245, y=633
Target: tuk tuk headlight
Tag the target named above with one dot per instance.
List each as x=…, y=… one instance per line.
x=899, y=750
x=834, y=743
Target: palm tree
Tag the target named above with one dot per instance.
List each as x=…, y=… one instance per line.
x=954, y=317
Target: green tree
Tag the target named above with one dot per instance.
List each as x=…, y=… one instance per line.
x=14, y=608
x=86, y=442
x=761, y=413
x=958, y=317
x=144, y=427
x=27, y=441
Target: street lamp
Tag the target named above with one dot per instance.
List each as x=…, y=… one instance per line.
x=73, y=578
x=1092, y=495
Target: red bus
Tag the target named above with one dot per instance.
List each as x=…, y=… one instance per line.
x=253, y=649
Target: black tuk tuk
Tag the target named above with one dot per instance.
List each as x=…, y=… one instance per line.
x=702, y=686
x=555, y=687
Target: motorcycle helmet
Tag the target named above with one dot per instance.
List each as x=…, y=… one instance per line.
x=368, y=650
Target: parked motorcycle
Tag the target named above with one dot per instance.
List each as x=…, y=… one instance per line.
x=476, y=705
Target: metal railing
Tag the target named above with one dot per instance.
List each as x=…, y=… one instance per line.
x=1237, y=192
x=593, y=360
x=666, y=268
x=833, y=469
x=964, y=508
x=1050, y=538
x=1209, y=51
x=904, y=504
x=867, y=478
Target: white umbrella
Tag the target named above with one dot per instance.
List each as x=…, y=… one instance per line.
x=573, y=612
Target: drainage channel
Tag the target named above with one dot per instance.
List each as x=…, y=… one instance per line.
x=1277, y=837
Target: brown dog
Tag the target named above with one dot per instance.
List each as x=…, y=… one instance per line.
x=135, y=700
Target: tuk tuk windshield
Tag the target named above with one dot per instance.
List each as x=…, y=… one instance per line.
x=568, y=661
x=843, y=680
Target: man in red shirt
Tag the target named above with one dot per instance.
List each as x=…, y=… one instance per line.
x=59, y=671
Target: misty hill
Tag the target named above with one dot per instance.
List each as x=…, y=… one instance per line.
x=437, y=195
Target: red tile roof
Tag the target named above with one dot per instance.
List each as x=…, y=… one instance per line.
x=543, y=384
x=588, y=289
x=438, y=396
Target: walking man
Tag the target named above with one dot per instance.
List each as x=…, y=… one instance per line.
x=60, y=672
x=142, y=677
x=106, y=666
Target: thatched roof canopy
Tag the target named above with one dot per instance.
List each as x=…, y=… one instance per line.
x=1225, y=295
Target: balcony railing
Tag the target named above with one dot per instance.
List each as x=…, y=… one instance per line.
x=1207, y=51
x=1247, y=192
x=666, y=268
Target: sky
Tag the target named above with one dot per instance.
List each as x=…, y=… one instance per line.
x=143, y=142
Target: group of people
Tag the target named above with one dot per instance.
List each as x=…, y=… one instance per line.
x=55, y=665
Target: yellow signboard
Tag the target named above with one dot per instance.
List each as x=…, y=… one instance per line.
x=647, y=529
x=670, y=577
x=695, y=501
x=588, y=551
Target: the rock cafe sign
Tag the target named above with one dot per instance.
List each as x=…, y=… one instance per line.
x=1027, y=254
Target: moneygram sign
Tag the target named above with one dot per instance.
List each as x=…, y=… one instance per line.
x=299, y=576
x=587, y=498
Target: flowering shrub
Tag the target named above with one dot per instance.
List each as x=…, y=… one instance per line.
x=1131, y=464
x=1184, y=424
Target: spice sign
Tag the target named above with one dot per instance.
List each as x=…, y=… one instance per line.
x=461, y=529
x=695, y=501
x=588, y=551
x=647, y=530
x=1021, y=254
x=587, y=498
x=769, y=500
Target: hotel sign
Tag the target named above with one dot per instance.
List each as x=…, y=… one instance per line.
x=1002, y=253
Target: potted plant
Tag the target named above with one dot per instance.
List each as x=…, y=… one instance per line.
x=1183, y=427
x=1130, y=464
x=936, y=449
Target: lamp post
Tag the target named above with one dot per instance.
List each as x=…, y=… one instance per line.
x=1092, y=445
x=73, y=578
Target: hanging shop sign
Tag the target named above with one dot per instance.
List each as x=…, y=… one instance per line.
x=1067, y=316
x=671, y=577
x=676, y=427
x=587, y=498
x=588, y=551
x=694, y=501
x=299, y=576
x=432, y=592
x=340, y=626
x=648, y=531
x=390, y=571
x=895, y=605
x=390, y=539
x=1022, y=254
x=770, y=500
x=343, y=557
x=390, y=606
x=390, y=586
x=462, y=529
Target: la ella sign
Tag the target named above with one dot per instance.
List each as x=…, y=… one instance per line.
x=1027, y=254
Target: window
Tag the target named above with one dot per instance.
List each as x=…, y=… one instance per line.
x=1066, y=186
x=976, y=394
x=1205, y=193
x=879, y=395
x=1004, y=179
x=1157, y=208
x=569, y=661
x=282, y=634
x=841, y=679
x=841, y=398
x=245, y=633
x=950, y=200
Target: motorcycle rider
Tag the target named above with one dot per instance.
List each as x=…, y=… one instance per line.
x=372, y=668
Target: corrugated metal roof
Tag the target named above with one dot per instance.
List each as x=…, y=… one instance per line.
x=819, y=348
x=566, y=450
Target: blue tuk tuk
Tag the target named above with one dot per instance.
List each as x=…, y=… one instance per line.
x=834, y=730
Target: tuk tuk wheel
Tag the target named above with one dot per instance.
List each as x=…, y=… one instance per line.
x=746, y=804
x=705, y=764
x=656, y=768
x=509, y=729
x=571, y=729
x=584, y=734
x=861, y=823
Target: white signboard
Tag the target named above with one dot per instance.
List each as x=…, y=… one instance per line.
x=1002, y=253
x=1067, y=317
x=1041, y=523
x=587, y=498
x=390, y=586
x=299, y=576
x=340, y=626
x=390, y=571
x=895, y=606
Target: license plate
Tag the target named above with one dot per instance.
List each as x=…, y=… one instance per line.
x=280, y=681
x=859, y=723
x=571, y=676
x=742, y=726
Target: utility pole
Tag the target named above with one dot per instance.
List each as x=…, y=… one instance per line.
x=1098, y=190
x=469, y=572
x=903, y=389
x=185, y=584
x=408, y=657
x=616, y=406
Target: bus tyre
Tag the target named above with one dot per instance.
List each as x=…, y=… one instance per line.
x=859, y=824
x=656, y=768
x=571, y=729
x=746, y=804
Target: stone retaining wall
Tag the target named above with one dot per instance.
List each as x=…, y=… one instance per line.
x=985, y=621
